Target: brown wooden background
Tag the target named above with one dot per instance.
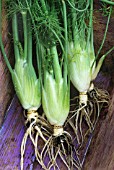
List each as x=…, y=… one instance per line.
x=6, y=88
x=101, y=151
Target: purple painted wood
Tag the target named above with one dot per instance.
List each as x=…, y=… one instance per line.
x=11, y=135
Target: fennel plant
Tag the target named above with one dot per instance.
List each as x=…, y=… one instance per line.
x=27, y=85
x=84, y=65
x=50, y=29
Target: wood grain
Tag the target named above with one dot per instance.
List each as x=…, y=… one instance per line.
x=101, y=151
x=6, y=88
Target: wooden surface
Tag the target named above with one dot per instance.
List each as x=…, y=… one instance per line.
x=101, y=152
x=6, y=88
x=11, y=135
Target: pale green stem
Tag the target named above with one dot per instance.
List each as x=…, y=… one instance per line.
x=37, y=39
x=29, y=44
x=56, y=66
x=39, y=54
x=106, y=30
x=90, y=25
x=108, y=2
x=74, y=24
x=79, y=10
x=66, y=44
x=24, y=18
x=44, y=6
x=15, y=37
x=109, y=51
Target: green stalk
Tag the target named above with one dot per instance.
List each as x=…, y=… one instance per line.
x=57, y=37
x=15, y=37
x=44, y=6
x=104, y=33
x=24, y=18
x=109, y=51
x=66, y=44
x=91, y=40
x=1, y=42
x=56, y=66
x=90, y=24
x=74, y=24
x=79, y=10
x=108, y=2
x=37, y=39
x=29, y=44
x=44, y=65
x=39, y=55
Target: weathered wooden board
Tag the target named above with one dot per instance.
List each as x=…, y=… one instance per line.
x=101, y=152
x=6, y=87
x=13, y=129
x=11, y=135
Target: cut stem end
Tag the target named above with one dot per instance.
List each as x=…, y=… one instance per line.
x=83, y=98
x=57, y=130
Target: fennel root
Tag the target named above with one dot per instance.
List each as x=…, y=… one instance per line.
x=100, y=95
x=84, y=116
x=37, y=128
x=78, y=118
x=59, y=147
